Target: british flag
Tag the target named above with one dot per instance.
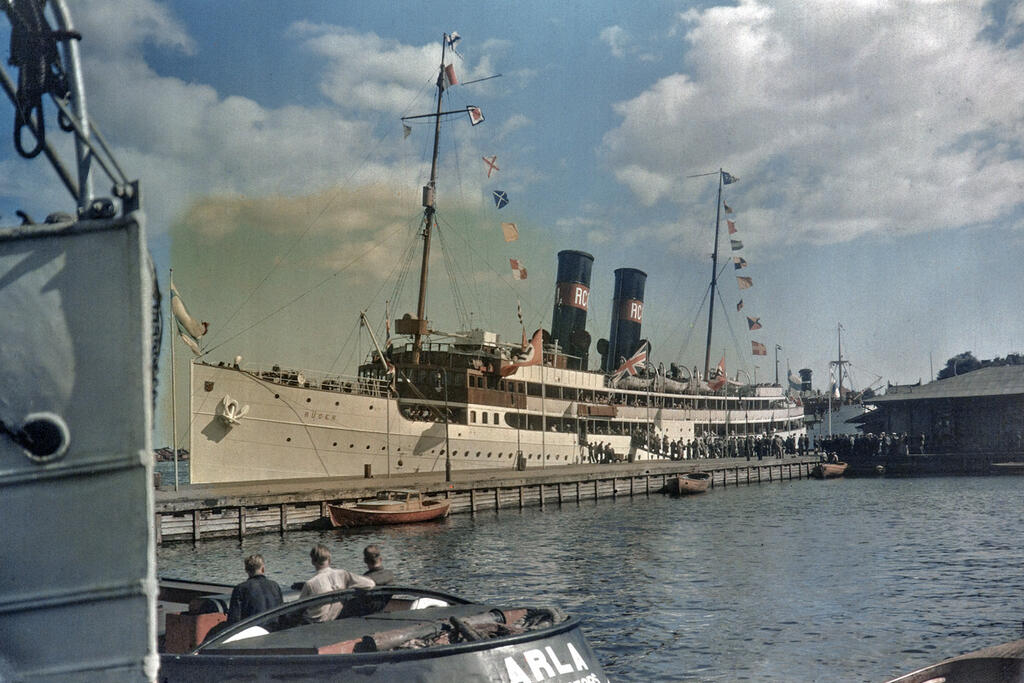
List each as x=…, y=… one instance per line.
x=635, y=362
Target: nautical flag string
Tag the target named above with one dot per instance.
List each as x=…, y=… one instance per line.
x=736, y=245
x=744, y=282
x=753, y=323
x=510, y=232
x=732, y=227
x=518, y=270
x=758, y=349
x=728, y=179
x=406, y=130
x=728, y=209
x=450, y=78
x=738, y=262
x=500, y=198
x=492, y=164
x=475, y=115
x=739, y=306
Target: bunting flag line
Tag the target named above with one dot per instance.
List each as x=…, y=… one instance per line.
x=738, y=262
x=406, y=130
x=717, y=378
x=739, y=306
x=736, y=245
x=635, y=362
x=492, y=164
x=728, y=178
x=510, y=232
x=450, y=78
x=453, y=38
x=732, y=227
x=744, y=282
x=500, y=198
x=475, y=115
x=753, y=323
x=518, y=270
x=758, y=349
x=728, y=209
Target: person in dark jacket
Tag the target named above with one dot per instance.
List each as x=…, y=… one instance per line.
x=375, y=566
x=256, y=595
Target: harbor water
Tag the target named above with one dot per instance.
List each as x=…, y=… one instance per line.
x=841, y=580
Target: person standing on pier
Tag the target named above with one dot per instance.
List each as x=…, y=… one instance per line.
x=256, y=595
x=325, y=580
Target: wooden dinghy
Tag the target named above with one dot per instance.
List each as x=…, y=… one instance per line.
x=693, y=482
x=392, y=506
x=827, y=470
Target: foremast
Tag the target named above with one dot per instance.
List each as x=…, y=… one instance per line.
x=714, y=277
x=420, y=325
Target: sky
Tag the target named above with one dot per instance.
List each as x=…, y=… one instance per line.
x=879, y=148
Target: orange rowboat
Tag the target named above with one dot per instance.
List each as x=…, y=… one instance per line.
x=694, y=482
x=827, y=470
x=392, y=506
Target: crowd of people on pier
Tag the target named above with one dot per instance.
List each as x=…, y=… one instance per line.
x=750, y=446
x=883, y=445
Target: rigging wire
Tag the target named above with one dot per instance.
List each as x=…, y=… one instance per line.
x=461, y=310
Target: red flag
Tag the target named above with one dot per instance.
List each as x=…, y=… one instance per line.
x=518, y=270
x=717, y=379
x=530, y=355
x=475, y=115
x=732, y=227
x=759, y=349
x=449, y=75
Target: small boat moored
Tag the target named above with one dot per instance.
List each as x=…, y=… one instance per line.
x=391, y=506
x=1003, y=662
x=828, y=470
x=692, y=482
x=394, y=633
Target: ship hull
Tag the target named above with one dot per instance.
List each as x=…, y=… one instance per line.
x=247, y=427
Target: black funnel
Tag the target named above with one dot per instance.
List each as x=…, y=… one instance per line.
x=572, y=300
x=627, y=314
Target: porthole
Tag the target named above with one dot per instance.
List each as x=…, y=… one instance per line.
x=351, y=445
x=488, y=455
x=441, y=452
x=277, y=395
x=336, y=403
x=478, y=454
x=308, y=400
x=371, y=407
x=367, y=446
x=384, y=447
x=288, y=439
x=335, y=444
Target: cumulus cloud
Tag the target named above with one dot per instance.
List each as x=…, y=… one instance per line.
x=842, y=122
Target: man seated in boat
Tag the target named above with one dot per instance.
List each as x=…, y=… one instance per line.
x=325, y=580
x=369, y=604
x=256, y=595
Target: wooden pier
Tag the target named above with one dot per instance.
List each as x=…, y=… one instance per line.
x=240, y=509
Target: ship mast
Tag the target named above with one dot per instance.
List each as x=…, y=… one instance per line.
x=714, y=278
x=420, y=328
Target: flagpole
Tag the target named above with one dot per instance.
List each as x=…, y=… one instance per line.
x=714, y=277
x=174, y=402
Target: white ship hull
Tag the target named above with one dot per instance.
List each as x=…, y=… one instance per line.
x=290, y=430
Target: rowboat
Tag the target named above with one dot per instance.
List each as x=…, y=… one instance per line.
x=692, y=482
x=391, y=506
x=827, y=470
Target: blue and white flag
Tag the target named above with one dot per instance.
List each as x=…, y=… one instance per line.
x=728, y=179
x=500, y=198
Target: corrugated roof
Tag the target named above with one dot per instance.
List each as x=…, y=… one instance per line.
x=1004, y=380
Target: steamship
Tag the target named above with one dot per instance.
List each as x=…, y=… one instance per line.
x=468, y=401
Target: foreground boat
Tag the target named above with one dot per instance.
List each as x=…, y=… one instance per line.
x=693, y=482
x=394, y=633
x=828, y=470
x=392, y=506
x=997, y=664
